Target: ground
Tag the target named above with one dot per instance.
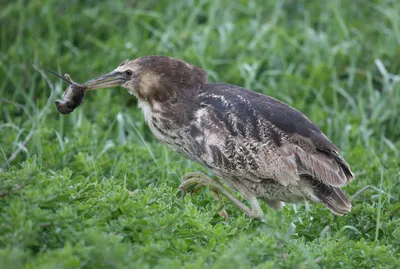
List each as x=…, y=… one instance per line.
x=94, y=189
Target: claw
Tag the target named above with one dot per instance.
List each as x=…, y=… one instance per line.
x=200, y=180
x=224, y=214
x=198, y=188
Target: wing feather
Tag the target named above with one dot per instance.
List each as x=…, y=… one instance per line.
x=290, y=130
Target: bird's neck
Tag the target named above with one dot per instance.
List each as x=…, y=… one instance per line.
x=166, y=118
x=153, y=116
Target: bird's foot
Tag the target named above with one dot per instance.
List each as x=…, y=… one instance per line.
x=200, y=179
x=222, y=212
x=197, y=179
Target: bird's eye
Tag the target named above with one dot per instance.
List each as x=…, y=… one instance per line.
x=128, y=73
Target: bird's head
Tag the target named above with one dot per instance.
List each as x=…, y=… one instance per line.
x=152, y=78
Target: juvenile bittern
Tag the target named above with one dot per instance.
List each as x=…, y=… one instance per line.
x=257, y=145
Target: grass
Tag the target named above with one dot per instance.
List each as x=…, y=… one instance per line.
x=94, y=189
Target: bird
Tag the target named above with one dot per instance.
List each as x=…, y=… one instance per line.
x=254, y=145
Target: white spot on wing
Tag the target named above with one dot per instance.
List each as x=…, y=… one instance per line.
x=200, y=114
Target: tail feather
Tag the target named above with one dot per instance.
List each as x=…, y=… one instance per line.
x=333, y=198
x=343, y=164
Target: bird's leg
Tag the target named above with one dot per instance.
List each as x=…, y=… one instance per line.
x=223, y=212
x=200, y=179
x=194, y=178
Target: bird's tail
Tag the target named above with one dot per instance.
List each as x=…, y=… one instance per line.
x=336, y=201
x=332, y=197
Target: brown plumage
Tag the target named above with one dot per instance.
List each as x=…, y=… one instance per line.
x=259, y=146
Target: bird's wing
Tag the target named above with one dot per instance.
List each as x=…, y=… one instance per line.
x=264, y=122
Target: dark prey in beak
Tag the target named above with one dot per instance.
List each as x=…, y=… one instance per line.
x=75, y=92
x=72, y=97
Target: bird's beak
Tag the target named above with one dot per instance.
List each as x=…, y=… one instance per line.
x=109, y=80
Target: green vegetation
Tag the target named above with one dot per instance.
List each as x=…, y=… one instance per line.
x=94, y=189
